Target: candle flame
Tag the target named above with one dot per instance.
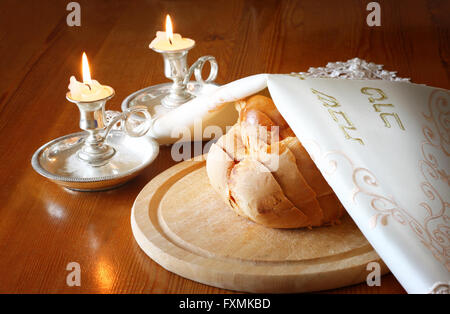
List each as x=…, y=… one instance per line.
x=86, y=72
x=169, y=29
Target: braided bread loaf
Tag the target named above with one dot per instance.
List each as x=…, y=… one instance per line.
x=263, y=172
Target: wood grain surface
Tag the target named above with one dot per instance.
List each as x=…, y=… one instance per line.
x=44, y=227
x=197, y=236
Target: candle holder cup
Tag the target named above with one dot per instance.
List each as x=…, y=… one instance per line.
x=176, y=69
x=95, y=151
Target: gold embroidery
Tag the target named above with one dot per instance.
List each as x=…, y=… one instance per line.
x=326, y=99
x=386, y=122
x=297, y=75
x=377, y=107
x=331, y=102
x=365, y=90
x=350, y=125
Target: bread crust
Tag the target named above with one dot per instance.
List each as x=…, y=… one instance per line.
x=261, y=170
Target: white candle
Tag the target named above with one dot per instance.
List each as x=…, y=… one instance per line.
x=168, y=41
x=89, y=89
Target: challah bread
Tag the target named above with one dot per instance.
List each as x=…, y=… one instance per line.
x=264, y=173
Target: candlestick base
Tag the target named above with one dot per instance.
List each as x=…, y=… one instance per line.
x=173, y=100
x=98, y=156
x=62, y=161
x=153, y=97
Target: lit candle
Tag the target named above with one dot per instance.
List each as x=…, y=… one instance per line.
x=168, y=41
x=89, y=90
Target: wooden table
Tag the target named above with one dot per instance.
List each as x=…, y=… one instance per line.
x=44, y=227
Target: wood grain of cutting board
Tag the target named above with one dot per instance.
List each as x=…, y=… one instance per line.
x=181, y=223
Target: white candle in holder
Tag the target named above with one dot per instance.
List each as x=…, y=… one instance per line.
x=89, y=89
x=168, y=41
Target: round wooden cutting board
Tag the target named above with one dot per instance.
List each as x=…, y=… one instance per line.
x=180, y=222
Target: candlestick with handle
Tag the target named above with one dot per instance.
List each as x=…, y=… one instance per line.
x=92, y=119
x=163, y=98
x=90, y=97
x=174, y=50
x=102, y=157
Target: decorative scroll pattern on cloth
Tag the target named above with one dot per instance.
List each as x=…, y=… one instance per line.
x=440, y=288
x=434, y=229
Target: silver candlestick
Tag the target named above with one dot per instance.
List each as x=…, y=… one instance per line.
x=176, y=69
x=92, y=119
x=101, y=157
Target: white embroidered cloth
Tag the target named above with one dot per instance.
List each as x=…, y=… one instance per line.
x=382, y=145
x=384, y=149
